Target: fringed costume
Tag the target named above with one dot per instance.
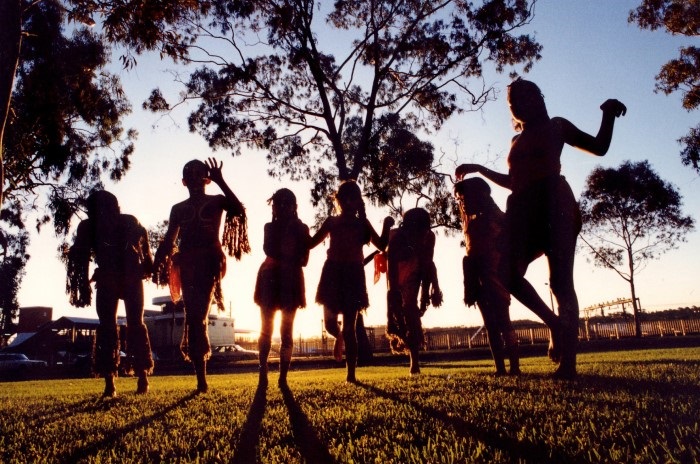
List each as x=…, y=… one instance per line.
x=195, y=267
x=119, y=245
x=485, y=269
x=412, y=282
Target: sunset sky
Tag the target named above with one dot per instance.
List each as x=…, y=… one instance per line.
x=590, y=54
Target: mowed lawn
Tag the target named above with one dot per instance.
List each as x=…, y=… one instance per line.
x=627, y=406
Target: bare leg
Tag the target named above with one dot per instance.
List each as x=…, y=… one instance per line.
x=267, y=317
x=525, y=293
x=106, y=350
x=200, y=370
x=287, y=331
x=142, y=383
x=197, y=292
x=138, y=345
x=497, y=350
x=562, y=283
x=333, y=328
x=350, y=336
x=511, y=341
x=414, y=368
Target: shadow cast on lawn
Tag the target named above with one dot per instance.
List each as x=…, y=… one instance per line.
x=311, y=448
x=46, y=416
x=511, y=447
x=246, y=450
x=81, y=453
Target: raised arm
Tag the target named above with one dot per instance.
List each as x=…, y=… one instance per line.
x=599, y=144
x=501, y=179
x=233, y=204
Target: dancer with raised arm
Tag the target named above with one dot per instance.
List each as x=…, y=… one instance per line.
x=191, y=259
x=542, y=212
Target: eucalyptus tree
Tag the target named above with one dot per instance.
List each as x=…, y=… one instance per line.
x=682, y=74
x=64, y=131
x=631, y=216
x=329, y=91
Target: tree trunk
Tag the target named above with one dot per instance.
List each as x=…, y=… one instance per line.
x=635, y=310
x=10, y=42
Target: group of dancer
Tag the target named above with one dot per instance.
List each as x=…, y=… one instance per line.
x=541, y=218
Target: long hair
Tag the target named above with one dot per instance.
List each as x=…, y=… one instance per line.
x=475, y=193
x=532, y=100
x=348, y=191
x=283, y=196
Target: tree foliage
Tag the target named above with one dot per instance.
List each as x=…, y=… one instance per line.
x=631, y=216
x=682, y=74
x=64, y=131
x=13, y=258
x=326, y=89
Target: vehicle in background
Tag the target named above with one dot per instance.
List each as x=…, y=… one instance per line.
x=232, y=353
x=18, y=364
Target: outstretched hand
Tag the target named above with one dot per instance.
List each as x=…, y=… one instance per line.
x=614, y=107
x=464, y=169
x=215, y=170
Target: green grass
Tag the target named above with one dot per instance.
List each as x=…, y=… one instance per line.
x=632, y=406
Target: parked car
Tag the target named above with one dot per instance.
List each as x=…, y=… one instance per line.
x=18, y=364
x=231, y=353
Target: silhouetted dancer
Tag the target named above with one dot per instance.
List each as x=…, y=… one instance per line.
x=119, y=245
x=191, y=260
x=542, y=213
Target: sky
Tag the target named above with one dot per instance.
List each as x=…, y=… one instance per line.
x=590, y=54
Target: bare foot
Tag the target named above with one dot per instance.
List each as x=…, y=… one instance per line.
x=554, y=349
x=142, y=385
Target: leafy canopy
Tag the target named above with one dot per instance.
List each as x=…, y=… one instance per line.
x=65, y=128
x=324, y=88
x=630, y=216
x=682, y=74
x=64, y=134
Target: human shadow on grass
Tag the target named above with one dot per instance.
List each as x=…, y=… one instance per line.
x=246, y=450
x=510, y=446
x=60, y=412
x=312, y=449
x=82, y=453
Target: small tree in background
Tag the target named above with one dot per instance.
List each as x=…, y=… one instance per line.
x=631, y=216
x=678, y=17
